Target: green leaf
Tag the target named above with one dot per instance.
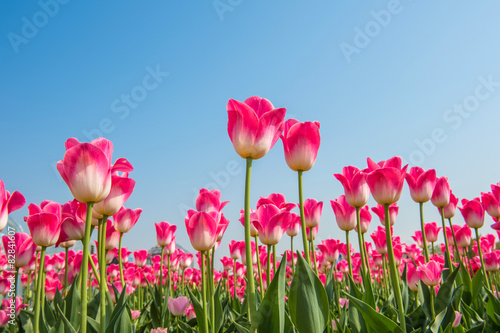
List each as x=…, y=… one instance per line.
x=117, y=312
x=368, y=295
x=307, y=301
x=443, y=298
x=93, y=306
x=355, y=319
x=48, y=314
x=67, y=324
x=271, y=313
x=198, y=309
x=424, y=295
x=492, y=307
x=373, y=318
x=466, y=280
x=219, y=314
x=476, y=329
x=473, y=316
x=477, y=284
x=72, y=303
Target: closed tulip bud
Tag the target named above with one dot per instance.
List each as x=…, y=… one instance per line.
x=356, y=188
x=473, y=213
x=301, y=143
x=126, y=218
x=421, y=183
x=386, y=180
x=441, y=194
x=44, y=223
x=312, y=212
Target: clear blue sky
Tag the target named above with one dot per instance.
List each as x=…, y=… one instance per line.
x=380, y=77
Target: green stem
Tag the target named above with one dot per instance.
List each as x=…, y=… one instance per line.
x=120, y=263
x=102, y=282
x=422, y=227
x=169, y=283
x=211, y=288
x=448, y=256
x=27, y=290
x=234, y=279
x=311, y=244
x=65, y=270
x=365, y=251
x=348, y=252
x=486, y=276
x=204, y=291
x=291, y=253
x=454, y=241
x=15, y=283
x=38, y=291
x=433, y=295
x=361, y=243
x=274, y=260
x=85, y=268
x=268, y=271
x=252, y=305
x=302, y=220
x=259, y=264
x=394, y=270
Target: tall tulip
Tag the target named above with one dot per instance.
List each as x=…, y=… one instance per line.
x=441, y=198
x=301, y=143
x=254, y=126
x=345, y=215
x=124, y=221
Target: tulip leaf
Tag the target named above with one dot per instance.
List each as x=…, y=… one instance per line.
x=476, y=329
x=466, y=280
x=117, y=312
x=444, y=295
x=271, y=313
x=477, y=284
x=355, y=318
x=492, y=307
x=67, y=324
x=93, y=306
x=373, y=318
x=424, y=295
x=198, y=309
x=308, y=302
x=72, y=303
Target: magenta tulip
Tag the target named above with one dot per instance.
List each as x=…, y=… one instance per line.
x=421, y=183
x=44, y=223
x=271, y=223
x=393, y=213
x=345, y=214
x=126, y=219
x=432, y=231
x=112, y=236
x=441, y=194
x=276, y=199
x=164, y=233
x=473, y=213
x=490, y=204
x=294, y=226
x=208, y=201
x=20, y=246
x=235, y=249
x=464, y=237
x=365, y=219
x=430, y=273
x=301, y=143
x=8, y=204
x=202, y=229
x=386, y=180
x=450, y=209
x=254, y=126
x=312, y=212
x=356, y=189
x=121, y=189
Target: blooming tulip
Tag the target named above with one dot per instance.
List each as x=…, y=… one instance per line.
x=421, y=183
x=386, y=180
x=8, y=204
x=355, y=187
x=44, y=222
x=164, y=233
x=121, y=189
x=126, y=218
x=301, y=143
x=271, y=223
x=430, y=273
x=20, y=246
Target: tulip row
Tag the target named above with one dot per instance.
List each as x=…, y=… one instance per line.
x=328, y=287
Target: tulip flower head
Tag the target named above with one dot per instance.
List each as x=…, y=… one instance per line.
x=8, y=204
x=386, y=180
x=356, y=189
x=301, y=143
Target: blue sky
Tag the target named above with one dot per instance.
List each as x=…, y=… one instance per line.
x=420, y=80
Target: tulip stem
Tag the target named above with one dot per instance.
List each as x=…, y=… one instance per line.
x=291, y=253
x=65, y=270
x=360, y=240
x=38, y=300
x=248, y=245
x=204, y=291
x=102, y=282
x=486, y=276
x=234, y=279
x=210, y=272
x=394, y=270
x=302, y=219
x=366, y=256
x=448, y=256
x=348, y=252
x=433, y=295
x=311, y=243
x=259, y=264
x=27, y=290
x=454, y=241
x=422, y=227
x=160, y=277
x=85, y=268
x=120, y=263
x=274, y=261
x=268, y=271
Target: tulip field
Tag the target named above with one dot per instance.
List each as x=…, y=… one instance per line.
x=356, y=283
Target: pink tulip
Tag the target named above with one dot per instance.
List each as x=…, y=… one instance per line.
x=235, y=249
x=450, y=209
x=432, y=231
x=164, y=233
x=271, y=223
x=51, y=287
x=430, y=273
x=178, y=305
x=112, y=236
x=464, y=237
x=393, y=213
x=421, y=183
x=253, y=231
x=202, y=229
x=74, y=216
x=458, y=318
x=86, y=169
x=44, y=222
x=121, y=189
x=490, y=204
x=186, y=260
x=312, y=233
x=386, y=180
x=294, y=226
x=135, y=314
x=365, y=218
x=418, y=238
x=8, y=204
x=208, y=201
x=473, y=213
x=380, y=240
x=190, y=313
x=330, y=250
x=412, y=277
x=356, y=189
x=301, y=143
x=441, y=194
x=345, y=214
x=254, y=126
x=126, y=218
x=20, y=246
x=312, y=212
x=491, y=261
x=17, y=305
x=276, y=199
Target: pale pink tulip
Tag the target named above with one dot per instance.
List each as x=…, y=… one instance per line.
x=430, y=273
x=126, y=218
x=178, y=305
